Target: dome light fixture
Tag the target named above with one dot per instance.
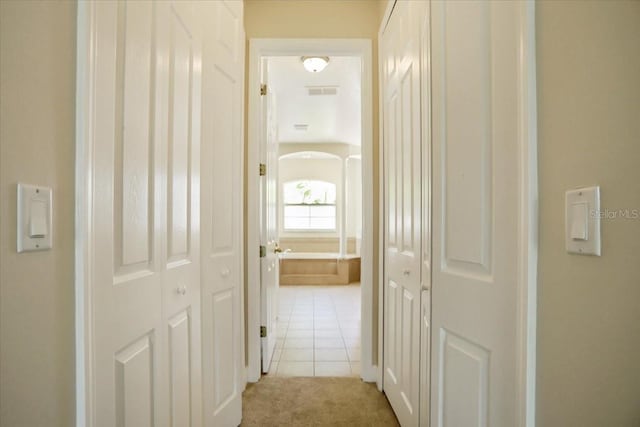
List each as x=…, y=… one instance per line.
x=315, y=64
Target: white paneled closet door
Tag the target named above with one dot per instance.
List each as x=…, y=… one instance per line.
x=182, y=46
x=222, y=165
x=145, y=271
x=403, y=312
x=477, y=101
x=461, y=73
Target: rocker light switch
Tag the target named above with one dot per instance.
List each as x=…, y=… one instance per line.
x=582, y=221
x=34, y=218
x=579, y=221
x=38, y=218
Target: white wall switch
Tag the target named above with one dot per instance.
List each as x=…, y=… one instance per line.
x=582, y=221
x=34, y=218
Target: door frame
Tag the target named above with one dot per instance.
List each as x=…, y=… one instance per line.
x=528, y=218
x=84, y=237
x=299, y=47
x=527, y=284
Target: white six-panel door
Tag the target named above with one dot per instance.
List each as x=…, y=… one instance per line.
x=145, y=295
x=270, y=262
x=222, y=142
x=403, y=216
x=476, y=101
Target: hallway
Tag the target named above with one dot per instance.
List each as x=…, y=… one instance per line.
x=315, y=402
x=146, y=309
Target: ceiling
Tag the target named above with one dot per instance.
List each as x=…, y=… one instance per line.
x=332, y=114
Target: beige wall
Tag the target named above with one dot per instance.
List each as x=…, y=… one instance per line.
x=37, y=83
x=312, y=18
x=589, y=133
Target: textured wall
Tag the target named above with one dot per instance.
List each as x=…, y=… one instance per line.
x=589, y=133
x=37, y=122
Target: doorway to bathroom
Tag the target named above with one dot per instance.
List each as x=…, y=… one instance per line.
x=319, y=214
x=310, y=210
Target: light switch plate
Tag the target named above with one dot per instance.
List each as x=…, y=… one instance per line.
x=582, y=221
x=34, y=218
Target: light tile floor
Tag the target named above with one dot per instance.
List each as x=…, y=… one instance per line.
x=318, y=331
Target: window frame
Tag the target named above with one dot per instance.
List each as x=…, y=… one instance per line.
x=284, y=205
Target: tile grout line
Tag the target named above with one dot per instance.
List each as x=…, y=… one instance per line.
x=343, y=341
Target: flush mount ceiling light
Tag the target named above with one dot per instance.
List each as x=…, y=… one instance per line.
x=315, y=64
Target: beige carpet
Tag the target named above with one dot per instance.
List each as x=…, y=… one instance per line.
x=303, y=401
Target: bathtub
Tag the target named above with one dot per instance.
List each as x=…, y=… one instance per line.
x=316, y=268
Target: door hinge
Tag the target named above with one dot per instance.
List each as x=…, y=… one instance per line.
x=263, y=331
x=263, y=169
x=263, y=89
x=263, y=251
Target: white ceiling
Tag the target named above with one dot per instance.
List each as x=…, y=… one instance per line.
x=330, y=118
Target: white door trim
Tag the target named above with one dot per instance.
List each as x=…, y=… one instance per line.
x=381, y=199
x=285, y=47
x=84, y=161
x=528, y=220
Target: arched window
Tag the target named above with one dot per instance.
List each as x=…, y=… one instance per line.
x=309, y=205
